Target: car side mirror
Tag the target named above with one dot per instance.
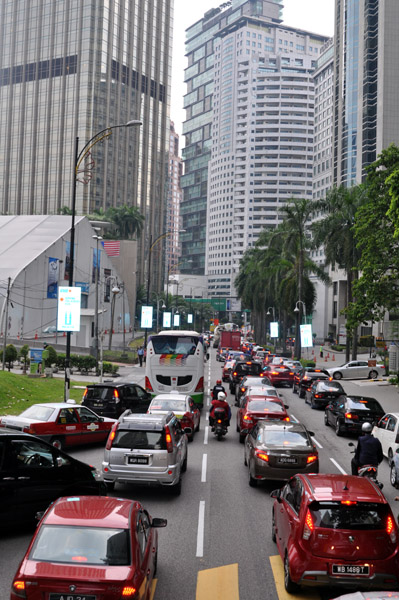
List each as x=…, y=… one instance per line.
x=188, y=430
x=286, y=406
x=58, y=461
x=39, y=515
x=156, y=522
x=275, y=494
x=311, y=433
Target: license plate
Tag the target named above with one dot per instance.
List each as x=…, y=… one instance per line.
x=97, y=403
x=350, y=570
x=137, y=460
x=72, y=597
x=288, y=460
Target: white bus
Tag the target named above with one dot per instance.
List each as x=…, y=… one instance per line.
x=175, y=362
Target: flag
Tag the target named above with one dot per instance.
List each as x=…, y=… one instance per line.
x=112, y=248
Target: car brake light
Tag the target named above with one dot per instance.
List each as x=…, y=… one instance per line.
x=200, y=385
x=116, y=396
x=262, y=455
x=348, y=502
x=243, y=389
x=351, y=416
x=148, y=385
x=247, y=418
x=391, y=529
x=235, y=373
x=19, y=588
x=274, y=373
x=219, y=421
x=168, y=438
x=85, y=393
x=111, y=436
x=317, y=396
x=286, y=419
x=308, y=527
x=291, y=373
x=127, y=591
x=311, y=458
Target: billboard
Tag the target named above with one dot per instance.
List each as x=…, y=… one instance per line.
x=274, y=329
x=167, y=319
x=306, y=336
x=52, y=278
x=146, y=317
x=68, y=310
x=189, y=318
x=176, y=320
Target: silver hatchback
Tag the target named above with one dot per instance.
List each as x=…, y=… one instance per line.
x=146, y=449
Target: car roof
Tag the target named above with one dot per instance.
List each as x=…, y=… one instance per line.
x=329, y=486
x=278, y=425
x=171, y=396
x=251, y=397
x=91, y=511
x=146, y=421
x=56, y=404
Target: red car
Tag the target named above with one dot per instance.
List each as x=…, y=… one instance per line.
x=89, y=548
x=228, y=365
x=279, y=375
x=335, y=530
x=62, y=424
x=256, y=408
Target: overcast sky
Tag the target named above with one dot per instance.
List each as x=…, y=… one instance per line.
x=316, y=16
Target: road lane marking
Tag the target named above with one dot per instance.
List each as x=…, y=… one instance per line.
x=338, y=466
x=206, y=434
x=204, y=465
x=278, y=574
x=200, y=532
x=218, y=584
x=294, y=417
x=317, y=443
x=153, y=588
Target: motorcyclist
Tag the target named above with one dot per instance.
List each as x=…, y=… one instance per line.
x=368, y=451
x=216, y=389
x=220, y=402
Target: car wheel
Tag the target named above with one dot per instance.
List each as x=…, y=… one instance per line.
x=242, y=437
x=198, y=426
x=373, y=375
x=251, y=480
x=338, y=428
x=245, y=458
x=326, y=423
x=191, y=437
x=58, y=442
x=110, y=485
x=274, y=537
x=294, y=390
x=312, y=403
x=237, y=429
x=155, y=563
x=393, y=476
x=184, y=465
x=301, y=393
x=337, y=375
x=289, y=585
x=176, y=489
x=390, y=456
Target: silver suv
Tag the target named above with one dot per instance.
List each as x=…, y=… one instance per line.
x=146, y=449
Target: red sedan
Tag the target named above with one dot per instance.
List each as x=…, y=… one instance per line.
x=279, y=375
x=61, y=424
x=258, y=408
x=89, y=548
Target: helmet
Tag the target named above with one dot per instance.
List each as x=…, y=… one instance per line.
x=219, y=382
x=367, y=427
x=221, y=396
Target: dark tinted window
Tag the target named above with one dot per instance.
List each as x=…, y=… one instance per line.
x=361, y=515
x=100, y=393
x=367, y=404
x=251, y=369
x=172, y=344
x=151, y=440
x=329, y=386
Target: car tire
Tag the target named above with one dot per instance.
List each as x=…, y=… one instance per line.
x=326, y=423
x=242, y=437
x=294, y=390
x=184, y=465
x=251, y=480
x=393, y=476
x=110, y=485
x=337, y=375
x=274, y=537
x=155, y=563
x=237, y=429
x=312, y=403
x=245, y=459
x=290, y=586
x=373, y=375
x=58, y=442
x=176, y=489
x=198, y=426
x=301, y=393
x=338, y=428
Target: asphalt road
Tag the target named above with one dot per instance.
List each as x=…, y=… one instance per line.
x=217, y=545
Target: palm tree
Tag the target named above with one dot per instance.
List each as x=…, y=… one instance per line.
x=336, y=233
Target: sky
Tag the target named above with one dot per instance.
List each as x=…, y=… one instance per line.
x=316, y=16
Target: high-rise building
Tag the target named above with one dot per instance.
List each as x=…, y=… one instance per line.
x=175, y=194
x=262, y=136
x=69, y=69
x=197, y=128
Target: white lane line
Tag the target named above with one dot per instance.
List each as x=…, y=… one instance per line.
x=338, y=466
x=206, y=434
x=204, y=465
x=317, y=443
x=200, y=532
x=294, y=418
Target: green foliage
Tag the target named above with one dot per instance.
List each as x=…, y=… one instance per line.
x=110, y=368
x=60, y=362
x=308, y=363
x=50, y=357
x=11, y=355
x=127, y=221
x=24, y=352
x=338, y=347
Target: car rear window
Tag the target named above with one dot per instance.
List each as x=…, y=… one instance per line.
x=140, y=439
x=100, y=393
x=179, y=405
x=82, y=545
x=265, y=406
x=359, y=515
x=285, y=438
x=251, y=369
x=39, y=413
x=330, y=386
x=261, y=390
x=368, y=404
x=172, y=344
x=254, y=381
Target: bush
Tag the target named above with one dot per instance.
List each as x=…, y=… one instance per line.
x=60, y=362
x=87, y=363
x=308, y=363
x=110, y=368
x=338, y=347
x=11, y=355
x=50, y=357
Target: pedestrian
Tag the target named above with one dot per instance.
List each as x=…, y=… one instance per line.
x=140, y=354
x=321, y=351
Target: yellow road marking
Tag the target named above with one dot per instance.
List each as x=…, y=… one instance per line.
x=219, y=584
x=153, y=586
x=278, y=574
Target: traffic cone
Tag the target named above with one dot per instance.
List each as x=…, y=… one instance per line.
x=325, y=360
x=328, y=355
x=36, y=336
x=18, y=336
x=333, y=357
x=64, y=334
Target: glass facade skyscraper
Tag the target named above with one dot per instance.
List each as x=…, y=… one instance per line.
x=68, y=69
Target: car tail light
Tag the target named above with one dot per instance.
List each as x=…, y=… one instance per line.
x=291, y=373
x=262, y=455
x=128, y=591
x=200, y=385
x=111, y=436
x=286, y=419
x=116, y=397
x=29, y=429
x=243, y=389
x=273, y=372
x=186, y=421
x=311, y=458
x=308, y=527
x=235, y=373
x=351, y=416
x=168, y=438
x=248, y=418
x=85, y=393
x=317, y=396
x=391, y=530
x=19, y=588
x=148, y=385
x=348, y=502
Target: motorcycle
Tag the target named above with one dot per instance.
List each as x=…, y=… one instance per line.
x=369, y=471
x=220, y=425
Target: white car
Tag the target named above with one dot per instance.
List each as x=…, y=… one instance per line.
x=357, y=369
x=387, y=431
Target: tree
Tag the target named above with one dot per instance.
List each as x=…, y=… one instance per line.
x=128, y=222
x=24, y=352
x=11, y=355
x=335, y=231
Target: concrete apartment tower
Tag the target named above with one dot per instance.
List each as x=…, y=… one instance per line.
x=262, y=136
x=175, y=195
x=69, y=69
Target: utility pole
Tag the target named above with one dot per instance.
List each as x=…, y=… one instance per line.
x=6, y=324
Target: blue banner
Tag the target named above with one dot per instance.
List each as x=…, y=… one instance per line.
x=96, y=264
x=52, y=281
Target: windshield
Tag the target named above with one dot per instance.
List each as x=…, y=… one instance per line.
x=82, y=545
x=39, y=413
x=359, y=515
x=173, y=405
x=172, y=344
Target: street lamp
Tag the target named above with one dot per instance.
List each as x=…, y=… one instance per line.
x=79, y=158
x=269, y=313
x=296, y=309
x=115, y=290
x=162, y=308
x=297, y=328
x=98, y=238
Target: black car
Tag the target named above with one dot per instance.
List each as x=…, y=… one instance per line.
x=33, y=474
x=242, y=368
x=304, y=378
x=348, y=413
x=112, y=399
x=322, y=392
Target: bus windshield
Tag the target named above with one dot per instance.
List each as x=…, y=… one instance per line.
x=172, y=344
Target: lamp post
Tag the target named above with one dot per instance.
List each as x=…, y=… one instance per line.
x=274, y=317
x=79, y=158
x=162, y=308
x=97, y=238
x=297, y=332
x=115, y=290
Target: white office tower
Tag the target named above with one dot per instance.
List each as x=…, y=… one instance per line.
x=262, y=137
